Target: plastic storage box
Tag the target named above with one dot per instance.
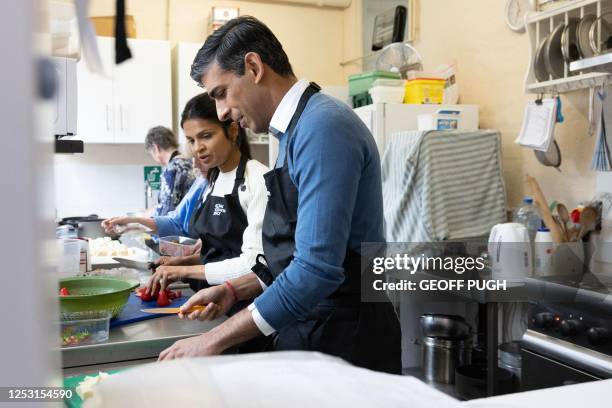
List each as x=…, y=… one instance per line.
x=85, y=331
x=361, y=83
x=387, y=94
x=362, y=99
x=424, y=91
x=175, y=245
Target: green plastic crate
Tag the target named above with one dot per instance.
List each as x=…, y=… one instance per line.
x=361, y=83
x=362, y=99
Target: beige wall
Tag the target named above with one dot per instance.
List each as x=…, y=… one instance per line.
x=313, y=37
x=492, y=61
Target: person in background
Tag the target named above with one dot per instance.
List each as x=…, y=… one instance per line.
x=177, y=176
x=175, y=222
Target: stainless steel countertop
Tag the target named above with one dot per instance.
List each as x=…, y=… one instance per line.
x=136, y=341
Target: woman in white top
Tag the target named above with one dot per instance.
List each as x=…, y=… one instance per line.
x=229, y=221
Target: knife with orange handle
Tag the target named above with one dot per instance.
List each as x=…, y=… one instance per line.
x=171, y=310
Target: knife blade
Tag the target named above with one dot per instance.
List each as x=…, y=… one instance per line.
x=171, y=310
x=130, y=263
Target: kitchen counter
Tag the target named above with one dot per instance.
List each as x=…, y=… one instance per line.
x=132, y=344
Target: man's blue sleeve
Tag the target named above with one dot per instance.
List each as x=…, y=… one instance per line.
x=327, y=173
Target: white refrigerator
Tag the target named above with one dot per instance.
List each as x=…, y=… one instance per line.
x=384, y=119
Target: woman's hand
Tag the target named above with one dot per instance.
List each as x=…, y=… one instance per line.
x=217, y=299
x=110, y=224
x=165, y=275
x=168, y=261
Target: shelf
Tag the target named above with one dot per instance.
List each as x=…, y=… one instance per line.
x=602, y=62
x=545, y=15
x=572, y=83
x=539, y=26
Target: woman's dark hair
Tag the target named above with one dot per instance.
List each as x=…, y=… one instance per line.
x=203, y=107
x=232, y=41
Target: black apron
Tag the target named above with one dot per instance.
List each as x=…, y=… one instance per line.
x=365, y=334
x=220, y=223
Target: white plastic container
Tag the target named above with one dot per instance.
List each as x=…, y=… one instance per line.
x=70, y=257
x=443, y=119
x=175, y=245
x=85, y=257
x=387, y=94
x=544, y=250
x=85, y=331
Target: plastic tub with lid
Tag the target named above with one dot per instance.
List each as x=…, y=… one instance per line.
x=424, y=91
x=387, y=94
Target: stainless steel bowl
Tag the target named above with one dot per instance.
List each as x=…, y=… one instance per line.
x=582, y=32
x=445, y=326
x=569, y=41
x=539, y=66
x=553, y=57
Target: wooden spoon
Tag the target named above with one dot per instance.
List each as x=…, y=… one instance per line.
x=564, y=216
x=588, y=217
x=540, y=202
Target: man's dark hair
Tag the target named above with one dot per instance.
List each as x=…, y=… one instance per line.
x=232, y=41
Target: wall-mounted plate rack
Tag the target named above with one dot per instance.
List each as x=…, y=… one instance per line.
x=569, y=76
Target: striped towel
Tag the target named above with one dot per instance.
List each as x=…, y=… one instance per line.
x=442, y=185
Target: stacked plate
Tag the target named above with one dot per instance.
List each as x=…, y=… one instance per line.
x=578, y=39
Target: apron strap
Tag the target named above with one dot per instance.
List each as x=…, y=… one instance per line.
x=240, y=173
x=237, y=183
x=261, y=270
x=312, y=89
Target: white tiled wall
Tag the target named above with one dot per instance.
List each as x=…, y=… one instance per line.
x=106, y=180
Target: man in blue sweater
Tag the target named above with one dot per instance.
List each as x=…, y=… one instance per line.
x=325, y=199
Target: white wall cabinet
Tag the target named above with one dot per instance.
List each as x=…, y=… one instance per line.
x=185, y=87
x=133, y=96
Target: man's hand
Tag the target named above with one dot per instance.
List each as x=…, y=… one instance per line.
x=218, y=300
x=198, y=346
x=235, y=330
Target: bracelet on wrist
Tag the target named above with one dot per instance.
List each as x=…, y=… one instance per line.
x=233, y=290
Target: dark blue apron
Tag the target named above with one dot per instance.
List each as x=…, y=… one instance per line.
x=365, y=334
x=220, y=223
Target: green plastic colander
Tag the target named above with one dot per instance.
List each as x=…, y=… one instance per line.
x=93, y=296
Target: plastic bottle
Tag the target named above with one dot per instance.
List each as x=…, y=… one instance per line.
x=544, y=249
x=528, y=216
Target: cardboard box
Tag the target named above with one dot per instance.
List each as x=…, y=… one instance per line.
x=105, y=26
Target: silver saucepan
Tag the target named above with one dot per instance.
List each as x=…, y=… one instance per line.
x=445, y=326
